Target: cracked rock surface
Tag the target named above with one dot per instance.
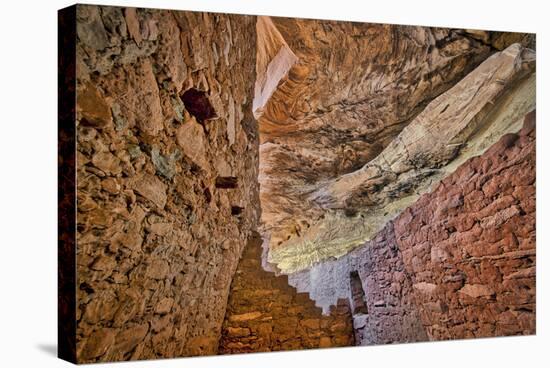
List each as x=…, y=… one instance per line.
x=334, y=166
x=458, y=263
x=387, y=171
x=344, y=211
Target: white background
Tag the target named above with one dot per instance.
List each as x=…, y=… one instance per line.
x=28, y=181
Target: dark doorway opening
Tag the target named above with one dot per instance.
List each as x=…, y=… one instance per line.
x=357, y=294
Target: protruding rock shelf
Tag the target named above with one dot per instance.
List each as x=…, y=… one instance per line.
x=344, y=212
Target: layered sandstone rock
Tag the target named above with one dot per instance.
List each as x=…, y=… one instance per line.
x=343, y=154
x=353, y=88
x=405, y=282
x=164, y=114
x=274, y=58
x=264, y=313
x=343, y=212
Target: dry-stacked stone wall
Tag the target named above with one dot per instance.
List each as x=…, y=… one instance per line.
x=469, y=246
x=167, y=161
x=391, y=314
x=459, y=263
x=264, y=313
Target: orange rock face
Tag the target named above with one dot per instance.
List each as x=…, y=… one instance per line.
x=151, y=225
x=264, y=313
x=352, y=90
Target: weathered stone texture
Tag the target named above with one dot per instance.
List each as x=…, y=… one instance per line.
x=390, y=313
x=153, y=229
x=470, y=244
x=458, y=263
x=393, y=315
x=343, y=212
x=367, y=135
x=350, y=92
x=264, y=313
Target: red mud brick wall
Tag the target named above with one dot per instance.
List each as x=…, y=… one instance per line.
x=469, y=246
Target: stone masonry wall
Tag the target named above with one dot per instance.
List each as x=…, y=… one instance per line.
x=469, y=246
x=264, y=313
x=392, y=314
x=167, y=165
x=459, y=263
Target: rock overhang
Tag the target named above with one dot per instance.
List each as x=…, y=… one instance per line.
x=335, y=133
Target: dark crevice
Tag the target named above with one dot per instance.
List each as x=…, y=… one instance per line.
x=236, y=210
x=198, y=105
x=357, y=294
x=207, y=195
x=226, y=182
x=350, y=212
x=86, y=288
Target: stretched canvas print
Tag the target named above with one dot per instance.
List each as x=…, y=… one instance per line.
x=238, y=183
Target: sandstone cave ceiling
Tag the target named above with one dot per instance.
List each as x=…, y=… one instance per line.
x=358, y=120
